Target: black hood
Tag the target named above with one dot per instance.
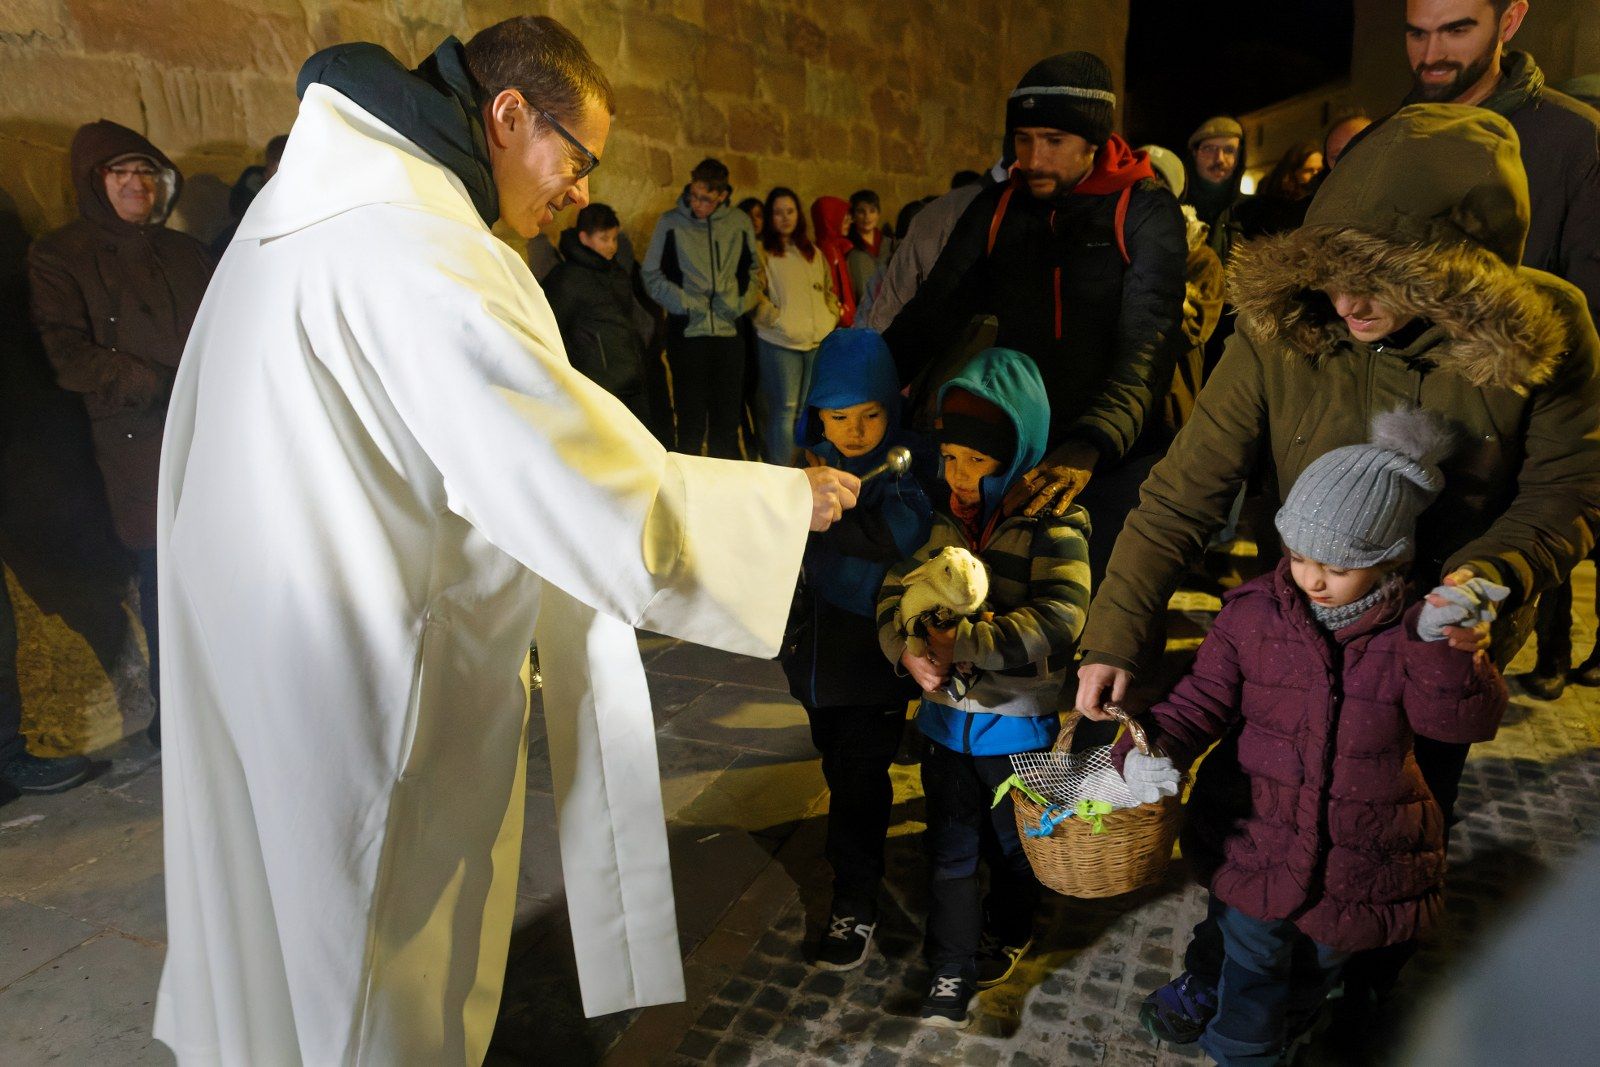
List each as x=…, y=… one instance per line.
x=436, y=107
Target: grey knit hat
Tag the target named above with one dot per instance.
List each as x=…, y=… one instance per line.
x=1357, y=506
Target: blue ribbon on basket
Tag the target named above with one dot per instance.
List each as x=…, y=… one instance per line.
x=1093, y=810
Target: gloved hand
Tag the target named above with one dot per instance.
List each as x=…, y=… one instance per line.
x=1469, y=604
x=1150, y=778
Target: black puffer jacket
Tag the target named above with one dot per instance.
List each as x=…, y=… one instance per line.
x=1561, y=152
x=592, y=298
x=1104, y=331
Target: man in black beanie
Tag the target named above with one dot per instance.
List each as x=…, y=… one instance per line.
x=1080, y=258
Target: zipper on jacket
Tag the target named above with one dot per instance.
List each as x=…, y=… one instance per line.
x=711, y=294
x=1058, y=302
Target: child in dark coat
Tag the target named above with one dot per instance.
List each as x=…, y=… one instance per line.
x=1332, y=675
x=592, y=298
x=849, y=420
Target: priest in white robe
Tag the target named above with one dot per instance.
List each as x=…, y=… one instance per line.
x=379, y=471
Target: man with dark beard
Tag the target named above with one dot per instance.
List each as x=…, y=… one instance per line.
x=1457, y=53
x=1080, y=258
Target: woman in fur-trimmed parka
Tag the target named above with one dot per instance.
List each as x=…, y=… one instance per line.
x=1428, y=215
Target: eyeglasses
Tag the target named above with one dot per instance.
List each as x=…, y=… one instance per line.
x=1217, y=150
x=123, y=173
x=591, y=161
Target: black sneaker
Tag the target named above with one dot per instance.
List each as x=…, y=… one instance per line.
x=949, y=1002
x=37, y=774
x=844, y=946
x=996, y=961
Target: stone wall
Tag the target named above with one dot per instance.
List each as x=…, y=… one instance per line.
x=823, y=96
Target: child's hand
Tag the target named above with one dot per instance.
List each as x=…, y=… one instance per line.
x=941, y=646
x=1150, y=778
x=1460, y=611
x=923, y=671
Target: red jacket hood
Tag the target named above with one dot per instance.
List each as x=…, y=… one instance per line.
x=1116, y=166
x=827, y=213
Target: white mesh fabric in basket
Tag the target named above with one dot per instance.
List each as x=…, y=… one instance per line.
x=1069, y=777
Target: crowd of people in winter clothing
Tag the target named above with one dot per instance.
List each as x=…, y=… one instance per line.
x=1093, y=354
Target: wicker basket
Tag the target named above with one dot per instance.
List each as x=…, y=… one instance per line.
x=1132, y=851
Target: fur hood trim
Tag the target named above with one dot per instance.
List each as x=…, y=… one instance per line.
x=1500, y=327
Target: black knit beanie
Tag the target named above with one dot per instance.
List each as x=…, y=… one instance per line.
x=1070, y=91
x=976, y=423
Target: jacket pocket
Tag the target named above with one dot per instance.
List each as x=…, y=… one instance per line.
x=423, y=709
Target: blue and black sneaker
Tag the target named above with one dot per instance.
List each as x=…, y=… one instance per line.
x=1179, y=1011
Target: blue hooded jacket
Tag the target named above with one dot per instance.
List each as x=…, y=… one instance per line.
x=831, y=654
x=1009, y=380
x=855, y=367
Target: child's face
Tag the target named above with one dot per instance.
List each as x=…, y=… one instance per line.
x=857, y=429
x=1333, y=587
x=964, y=471
x=865, y=217
x=602, y=241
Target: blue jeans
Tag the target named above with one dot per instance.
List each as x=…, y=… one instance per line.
x=1274, y=979
x=784, y=377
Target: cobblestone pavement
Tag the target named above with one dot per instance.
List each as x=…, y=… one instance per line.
x=82, y=919
x=1528, y=799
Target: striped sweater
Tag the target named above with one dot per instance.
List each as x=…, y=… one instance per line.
x=1038, y=593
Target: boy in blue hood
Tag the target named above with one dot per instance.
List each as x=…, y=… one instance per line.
x=856, y=701
x=992, y=423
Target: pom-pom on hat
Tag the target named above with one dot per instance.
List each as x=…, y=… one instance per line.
x=1070, y=91
x=975, y=423
x=1357, y=506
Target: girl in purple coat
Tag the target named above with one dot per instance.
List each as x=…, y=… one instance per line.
x=1332, y=674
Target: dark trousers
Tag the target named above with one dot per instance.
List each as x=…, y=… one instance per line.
x=148, y=618
x=12, y=743
x=1274, y=979
x=1376, y=971
x=708, y=392
x=858, y=744
x=962, y=828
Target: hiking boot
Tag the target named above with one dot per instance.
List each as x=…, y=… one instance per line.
x=1541, y=685
x=996, y=961
x=949, y=1002
x=1179, y=1011
x=28, y=773
x=844, y=946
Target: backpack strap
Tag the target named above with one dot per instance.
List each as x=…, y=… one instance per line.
x=1119, y=225
x=999, y=216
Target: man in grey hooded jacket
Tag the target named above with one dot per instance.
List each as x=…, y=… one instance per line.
x=702, y=268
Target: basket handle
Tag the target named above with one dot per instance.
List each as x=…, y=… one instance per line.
x=1141, y=740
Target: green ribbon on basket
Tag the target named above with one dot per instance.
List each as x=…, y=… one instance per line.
x=1016, y=782
x=1093, y=810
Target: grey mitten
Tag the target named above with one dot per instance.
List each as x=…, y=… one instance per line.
x=1150, y=778
x=1468, y=604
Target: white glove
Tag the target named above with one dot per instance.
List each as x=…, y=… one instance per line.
x=1468, y=604
x=1150, y=778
